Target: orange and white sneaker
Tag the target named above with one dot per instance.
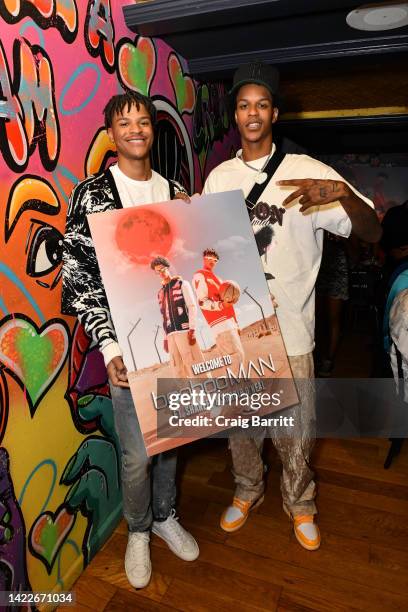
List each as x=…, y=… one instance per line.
x=306, y=531
x=235, y=516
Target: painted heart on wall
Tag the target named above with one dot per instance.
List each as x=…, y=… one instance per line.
x=33, y=356
x=48, y=533
x=183, y=85
x=137, y=64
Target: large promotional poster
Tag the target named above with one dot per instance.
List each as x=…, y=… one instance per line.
x=193, y=316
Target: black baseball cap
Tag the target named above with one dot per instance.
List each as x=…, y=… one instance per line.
x=395, y=227
x=258, y=73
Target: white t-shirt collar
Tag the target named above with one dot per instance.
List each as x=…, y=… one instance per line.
x=124, y=177
x=256, y=163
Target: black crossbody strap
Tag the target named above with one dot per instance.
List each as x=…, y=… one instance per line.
x=171, y=189
x=270, y=169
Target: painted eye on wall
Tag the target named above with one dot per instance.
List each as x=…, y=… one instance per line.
x=45, y=252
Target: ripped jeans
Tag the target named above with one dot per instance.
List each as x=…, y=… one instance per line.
x=148, y=483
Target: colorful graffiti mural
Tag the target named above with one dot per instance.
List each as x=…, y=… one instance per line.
x=211, y=122
x=60, y=61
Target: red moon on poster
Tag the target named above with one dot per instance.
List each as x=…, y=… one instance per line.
x=143, y=234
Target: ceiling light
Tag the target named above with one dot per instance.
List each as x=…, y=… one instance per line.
x=375, y=17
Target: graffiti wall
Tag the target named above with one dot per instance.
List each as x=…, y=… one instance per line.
x=60, y=61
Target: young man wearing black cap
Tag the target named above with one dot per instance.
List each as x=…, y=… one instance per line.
x=291, y=264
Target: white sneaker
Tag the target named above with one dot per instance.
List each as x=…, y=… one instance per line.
x=180, y=541
x=137, y=559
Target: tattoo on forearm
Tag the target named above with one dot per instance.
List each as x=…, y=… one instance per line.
x=323, y=192
x=335, y=186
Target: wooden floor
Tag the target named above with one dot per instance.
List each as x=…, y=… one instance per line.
x=361, y=565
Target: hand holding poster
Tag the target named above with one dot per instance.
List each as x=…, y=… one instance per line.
x=193, y=316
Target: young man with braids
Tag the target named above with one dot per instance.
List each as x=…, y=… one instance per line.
x=301, y=199
x=148, y=490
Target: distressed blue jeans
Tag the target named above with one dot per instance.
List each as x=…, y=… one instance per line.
x=148, y=483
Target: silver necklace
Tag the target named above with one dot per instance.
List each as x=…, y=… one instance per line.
x=261, y=176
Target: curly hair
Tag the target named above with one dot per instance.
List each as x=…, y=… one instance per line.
x=159, y=261
x=211, y=253
x=117, y=104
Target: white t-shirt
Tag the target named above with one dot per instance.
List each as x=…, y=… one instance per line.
x=399, y=333
x=135, y=193
x=294, y=255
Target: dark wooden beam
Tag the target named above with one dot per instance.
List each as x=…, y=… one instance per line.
x=222, y=65
x=161, y=17
x=215, y=36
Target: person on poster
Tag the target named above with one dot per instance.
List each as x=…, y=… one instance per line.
x=149, y=492
x=300, y=200
x=219, y=315
x=179, y=312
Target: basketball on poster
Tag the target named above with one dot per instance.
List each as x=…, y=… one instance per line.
x=192, y=311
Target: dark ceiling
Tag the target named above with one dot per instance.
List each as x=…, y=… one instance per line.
x=215, y=36
x=327, y=67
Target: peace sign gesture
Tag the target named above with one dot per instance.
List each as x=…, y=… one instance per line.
x=315, y=192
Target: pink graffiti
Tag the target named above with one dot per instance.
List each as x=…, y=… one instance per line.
x=62, y=14
x=28, y=115
x=100, y=32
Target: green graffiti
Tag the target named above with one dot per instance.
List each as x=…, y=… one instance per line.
x=94, y=474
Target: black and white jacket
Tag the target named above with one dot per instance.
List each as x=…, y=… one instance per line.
x=83, y=293
x=173, y=307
